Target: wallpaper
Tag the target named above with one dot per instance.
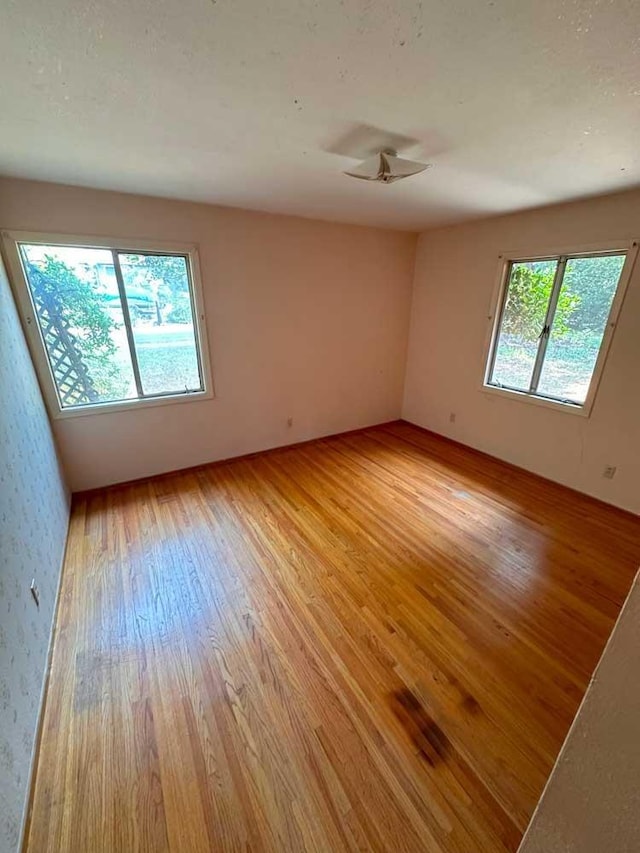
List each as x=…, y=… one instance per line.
x=34, y=511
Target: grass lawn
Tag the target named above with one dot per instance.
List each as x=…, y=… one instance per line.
x=166, y=358
x=567, y=369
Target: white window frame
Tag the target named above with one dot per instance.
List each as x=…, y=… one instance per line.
x=33, y=332
x=506, y=259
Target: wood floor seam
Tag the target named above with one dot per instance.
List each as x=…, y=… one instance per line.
x=376, y=641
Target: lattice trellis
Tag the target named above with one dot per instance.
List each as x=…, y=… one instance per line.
x=71, y=373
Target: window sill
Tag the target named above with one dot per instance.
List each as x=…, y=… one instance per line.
x=131, y=405
x=556, y=405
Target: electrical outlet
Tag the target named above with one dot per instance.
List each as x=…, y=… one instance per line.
x=289, y=421
x=35, y=592
x=452, y=418
x=609, y=472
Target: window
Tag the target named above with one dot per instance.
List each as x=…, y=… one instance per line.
x=555, y=320
x=110, y=326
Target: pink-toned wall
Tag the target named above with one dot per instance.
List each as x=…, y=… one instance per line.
x=305, y=319
x=455, y=275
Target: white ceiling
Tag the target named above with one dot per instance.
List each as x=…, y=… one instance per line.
x=257, y=103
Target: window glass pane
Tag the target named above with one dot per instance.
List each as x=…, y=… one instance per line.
x=158, y=296
x=524, y=312
x=78, y=308
x=587, y=291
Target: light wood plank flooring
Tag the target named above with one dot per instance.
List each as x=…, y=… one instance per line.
x=370, y=642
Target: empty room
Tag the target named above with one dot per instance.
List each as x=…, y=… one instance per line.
x=319, y=426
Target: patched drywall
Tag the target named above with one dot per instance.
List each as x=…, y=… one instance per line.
x=455, y=277
x=34, y=512
x=592, y=801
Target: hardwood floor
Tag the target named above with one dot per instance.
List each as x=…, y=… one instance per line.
x=371, y=642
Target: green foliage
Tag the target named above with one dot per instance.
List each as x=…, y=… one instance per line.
x=530, y=287
x=594, y=282
x=181, y=310
x=168, y=270
x=166, y=277
x=171, y=271
x=109, y=378
x=57, y=287
x=62, y=292
x=586, y=295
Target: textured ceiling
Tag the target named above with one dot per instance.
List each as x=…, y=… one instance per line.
x=516, y=103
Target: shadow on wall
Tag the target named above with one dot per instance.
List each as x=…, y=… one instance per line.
x=34, y=513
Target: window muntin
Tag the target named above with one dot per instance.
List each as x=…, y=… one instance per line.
x=167, y=351
x=524, y=310
x=552, y=323
x=574, y=344
x=116, y=327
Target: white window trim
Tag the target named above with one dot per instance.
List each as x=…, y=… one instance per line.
x=494, y=316
x=33, y=333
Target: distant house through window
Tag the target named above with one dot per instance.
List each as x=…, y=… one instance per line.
x=113, y=326
x=554, y=323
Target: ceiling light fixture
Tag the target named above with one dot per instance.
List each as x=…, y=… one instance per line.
x=386, y=167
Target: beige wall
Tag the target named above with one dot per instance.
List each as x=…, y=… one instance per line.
x=309, y=320
x=305, y=319
x=455, y=276
x=592, y=801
